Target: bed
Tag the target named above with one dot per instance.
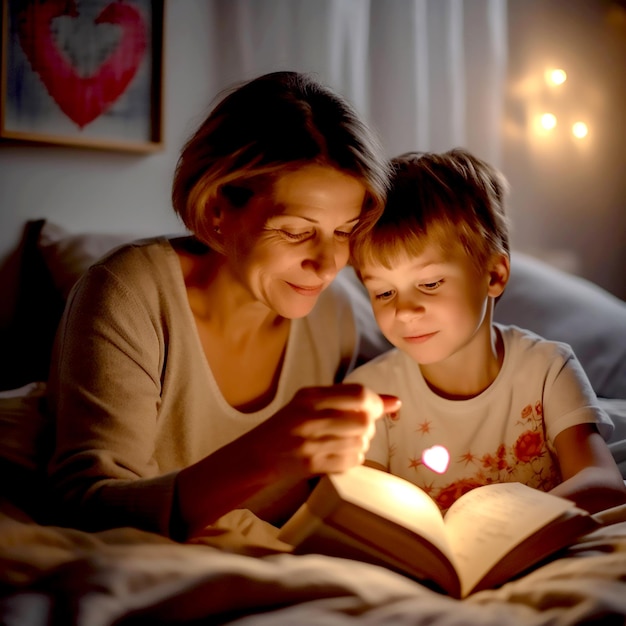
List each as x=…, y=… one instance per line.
x=239, y=574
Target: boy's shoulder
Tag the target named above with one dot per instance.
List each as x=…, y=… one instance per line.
x=523, y=341
x=386, y=365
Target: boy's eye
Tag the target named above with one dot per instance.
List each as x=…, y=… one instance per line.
x=385, y=295
x=431, y=286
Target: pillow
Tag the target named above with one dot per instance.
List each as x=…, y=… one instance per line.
x=51, y=260
x=616, y=408
x=22, y=425
x=564, y=307
x=24, y=446
x=67, y=255
x=371, y=341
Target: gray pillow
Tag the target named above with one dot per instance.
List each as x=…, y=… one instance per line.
x=564, y=307
x=616, y=410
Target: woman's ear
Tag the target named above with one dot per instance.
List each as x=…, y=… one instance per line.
x=217, y=208
x=499, y=272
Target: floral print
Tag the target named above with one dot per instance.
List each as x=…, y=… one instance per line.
x=523, y=460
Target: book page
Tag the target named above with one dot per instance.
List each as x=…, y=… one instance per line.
x=394, y=499
x=487, y=522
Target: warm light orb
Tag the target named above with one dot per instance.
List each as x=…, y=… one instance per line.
x=555, y=76
x=548, y=121
x=580, y=130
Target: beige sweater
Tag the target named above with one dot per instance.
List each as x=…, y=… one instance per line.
x=132, y=394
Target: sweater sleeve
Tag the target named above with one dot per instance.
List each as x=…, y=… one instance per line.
x=104, y=396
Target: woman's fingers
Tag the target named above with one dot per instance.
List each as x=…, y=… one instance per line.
x=339, y=410
x=391, y=403
x=342, y=397
x=333, y=454
x=326, y=429
x=348, y=397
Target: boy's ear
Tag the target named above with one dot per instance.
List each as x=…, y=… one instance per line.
x=499, y=272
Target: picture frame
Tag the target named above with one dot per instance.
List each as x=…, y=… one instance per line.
x=84, y=73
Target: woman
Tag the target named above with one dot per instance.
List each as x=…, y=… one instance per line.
x=194, y=376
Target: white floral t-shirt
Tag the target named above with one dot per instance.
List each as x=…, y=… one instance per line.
x=505, y=434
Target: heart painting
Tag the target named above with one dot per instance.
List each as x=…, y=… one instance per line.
x=82, y=93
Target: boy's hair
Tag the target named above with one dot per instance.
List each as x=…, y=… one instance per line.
x=452, y=194
x=271, y=125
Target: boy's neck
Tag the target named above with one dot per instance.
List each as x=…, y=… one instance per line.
x=467, y=374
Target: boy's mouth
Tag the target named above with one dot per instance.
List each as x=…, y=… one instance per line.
x=419, y=338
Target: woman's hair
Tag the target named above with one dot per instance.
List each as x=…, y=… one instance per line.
x=271, y=125
x=451, y=197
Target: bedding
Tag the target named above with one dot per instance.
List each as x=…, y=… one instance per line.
x=239, y=573
x=121, y=577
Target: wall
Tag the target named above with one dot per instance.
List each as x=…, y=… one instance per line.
x=568, y=200
x=87, y=190
x=569, y=196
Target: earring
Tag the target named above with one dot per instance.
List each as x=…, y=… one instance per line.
x=217, y=230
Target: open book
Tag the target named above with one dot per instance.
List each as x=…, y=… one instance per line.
x=489, y=535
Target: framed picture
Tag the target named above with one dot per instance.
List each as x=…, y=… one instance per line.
x=83, y=73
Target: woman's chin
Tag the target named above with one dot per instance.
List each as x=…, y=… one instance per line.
x=297, y=308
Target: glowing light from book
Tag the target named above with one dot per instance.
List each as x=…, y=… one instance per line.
x=555, y=76
x=548, y=121
x=436, y=459
x=580, y=130
x=401, y=492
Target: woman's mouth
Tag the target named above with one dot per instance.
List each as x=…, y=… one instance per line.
x=304, y=290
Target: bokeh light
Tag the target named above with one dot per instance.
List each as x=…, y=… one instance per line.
x=580, y=130
x=555, y=76
x=548, y=121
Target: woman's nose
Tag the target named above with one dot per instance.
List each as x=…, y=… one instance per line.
x=327, y=258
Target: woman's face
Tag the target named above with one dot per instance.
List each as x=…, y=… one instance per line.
x=286, y=246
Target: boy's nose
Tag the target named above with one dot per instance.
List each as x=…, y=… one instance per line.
x=408, y=307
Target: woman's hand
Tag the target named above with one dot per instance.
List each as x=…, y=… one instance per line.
x=323, y=429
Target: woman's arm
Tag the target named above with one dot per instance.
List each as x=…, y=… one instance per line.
x=131, y=402
x=590, y=476
x=322, y=430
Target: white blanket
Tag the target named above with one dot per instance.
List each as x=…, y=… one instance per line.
x=54, y=575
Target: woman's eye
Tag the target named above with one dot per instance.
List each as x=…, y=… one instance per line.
x=294, y=236
x=342, y=234
x=346, y=231
x=431, y=286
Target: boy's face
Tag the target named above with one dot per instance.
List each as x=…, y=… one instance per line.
x=433, y=305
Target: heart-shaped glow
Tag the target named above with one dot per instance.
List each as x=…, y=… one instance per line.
x=436, y=459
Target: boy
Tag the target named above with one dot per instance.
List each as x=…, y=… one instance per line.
x=506, y=404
